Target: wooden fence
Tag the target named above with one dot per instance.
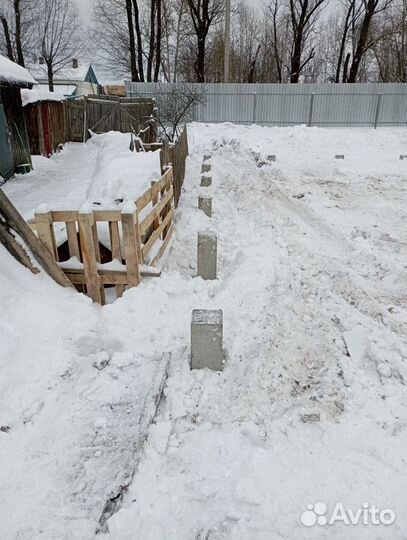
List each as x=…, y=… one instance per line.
x=108, y=113
x=175, y=154
x=105, y=248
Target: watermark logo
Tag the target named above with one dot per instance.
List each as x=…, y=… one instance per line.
x=369, y=514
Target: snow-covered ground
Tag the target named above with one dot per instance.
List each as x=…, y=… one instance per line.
x=102, y=170
x=312, y=281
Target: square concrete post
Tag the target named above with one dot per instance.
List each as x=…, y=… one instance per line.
x=206, y=167
x=206, y=339
x=206, y=180
x=205, y=204
x=207, y=255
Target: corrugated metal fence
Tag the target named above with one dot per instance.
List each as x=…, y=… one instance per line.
x=364, y=105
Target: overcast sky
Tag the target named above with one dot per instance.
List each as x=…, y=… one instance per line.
x=85, y=9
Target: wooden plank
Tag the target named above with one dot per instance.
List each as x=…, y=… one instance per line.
x=15, y=249
x=138, y=239
x=45, y=231
x=107, y=215
x=155, y=220
x=39, y=251
x=64, y=215
x=130, y=249
x=155, y=213
x=99, y=215
x=110, y=277
x=114, y=234
x=73, y=243
x=148, y=195
x=156, y=234
x=96, y=240
x=107, y=277
x=170, y=184
x=164, y=245
x=93, y=282
x=144, y=199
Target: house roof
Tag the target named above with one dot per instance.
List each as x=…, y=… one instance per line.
x=11, y=74
x=67, y=73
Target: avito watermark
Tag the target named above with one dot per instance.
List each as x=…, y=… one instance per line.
x=368, y=514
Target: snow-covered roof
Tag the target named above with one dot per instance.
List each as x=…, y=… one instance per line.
x=41, y=93
x=11, y=74
x=67, y=73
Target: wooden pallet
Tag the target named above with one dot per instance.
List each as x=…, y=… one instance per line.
x=131, y=249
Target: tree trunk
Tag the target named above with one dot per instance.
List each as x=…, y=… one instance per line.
x=139, y=41
x=152, y=42
x=20, y=56
x=177, y=41
x=132, y=42
x=50, y=73
x=296, y=59
x=275, y=45
x=252, y=69
x=159, y=38
x=363, y=37
x=200, y=60
x=343, y=45
x=7, y=37
x=345, y=69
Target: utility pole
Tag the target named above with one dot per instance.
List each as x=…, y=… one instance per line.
x=227, y=43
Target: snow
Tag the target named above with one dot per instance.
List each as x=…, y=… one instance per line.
x=119, y=173
x=312, y=290
x=41, y=93
x=103, y=171
x=11, y=73
x=68, y=72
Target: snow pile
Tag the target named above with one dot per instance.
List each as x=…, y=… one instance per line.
x=11, y=73
x=40, y=94
x=119, y=173
x=311, y=406
x=102, y=170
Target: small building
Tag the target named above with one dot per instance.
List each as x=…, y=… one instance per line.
x=45, y=119
x=77, y=79
x=14, y=145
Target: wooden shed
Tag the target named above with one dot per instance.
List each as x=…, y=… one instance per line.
x=14, y=145
x=45, y=119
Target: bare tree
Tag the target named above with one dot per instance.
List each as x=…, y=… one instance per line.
x=390, y=50
x=19, y=46
x=304, y=15
x=129, y=40
x=139, y=40
x=7, y=36
x=111, y=34
x=132, y=41
x=18, y=19
x=364, y=38
x=176, y=107
x=204, y=13
x=58, y=35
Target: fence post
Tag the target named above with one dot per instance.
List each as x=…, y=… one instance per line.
x=90, y=269
x=131, y=245
x=85, y=119
x=378, y=107
x=254, y=107
x=311, y=109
